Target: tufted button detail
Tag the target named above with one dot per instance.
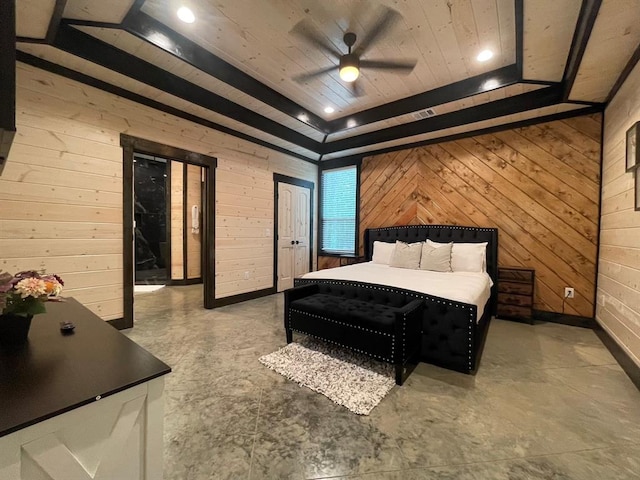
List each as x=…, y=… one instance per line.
x=441, y=318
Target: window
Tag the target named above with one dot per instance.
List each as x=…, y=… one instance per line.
x=338, y=207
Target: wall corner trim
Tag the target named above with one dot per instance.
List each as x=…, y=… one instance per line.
x=631, y=368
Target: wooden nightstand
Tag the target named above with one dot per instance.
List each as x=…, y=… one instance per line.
x=515, y=293
x=351, y=260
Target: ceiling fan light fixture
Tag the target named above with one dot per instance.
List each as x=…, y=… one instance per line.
x=186, y=15
x=349, y=67
x=349, y=73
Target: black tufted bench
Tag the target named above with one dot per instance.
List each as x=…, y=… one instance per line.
x=381, y=323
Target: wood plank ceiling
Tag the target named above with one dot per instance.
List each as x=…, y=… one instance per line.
x=232, y=68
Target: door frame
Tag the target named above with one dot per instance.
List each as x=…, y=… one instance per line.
x=185, y=214
x=167, y=199
x=277, y=179
x=130, y=144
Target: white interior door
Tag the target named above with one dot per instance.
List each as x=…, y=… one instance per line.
x=301, y=219
x=294, y=216
x=285, y=236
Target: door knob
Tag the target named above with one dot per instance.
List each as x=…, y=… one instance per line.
x=292, y=242
x=297, y=242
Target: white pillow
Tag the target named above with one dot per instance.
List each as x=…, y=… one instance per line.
x=406, y=255
x=436, y=259
x=467, y=257
x=382, y=252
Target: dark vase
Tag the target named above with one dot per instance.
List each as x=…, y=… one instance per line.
x=14, y=329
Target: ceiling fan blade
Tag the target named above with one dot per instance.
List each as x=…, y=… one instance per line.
x=303, y=77
x=307, y=32
x=403, y=66
x=356, y=89
x=387, y=18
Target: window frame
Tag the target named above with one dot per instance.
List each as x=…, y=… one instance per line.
x=336, y=165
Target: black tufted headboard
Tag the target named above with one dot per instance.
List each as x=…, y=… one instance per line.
x=441, y=233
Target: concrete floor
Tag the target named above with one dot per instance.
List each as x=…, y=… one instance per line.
x=548, y=402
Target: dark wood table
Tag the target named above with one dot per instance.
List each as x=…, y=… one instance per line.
x=55, y=373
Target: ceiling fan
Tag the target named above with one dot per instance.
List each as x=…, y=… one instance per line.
x=350, y=63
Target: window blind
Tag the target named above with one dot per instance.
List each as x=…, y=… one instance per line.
x=338, y=210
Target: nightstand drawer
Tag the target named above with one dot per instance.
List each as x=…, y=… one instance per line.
x=513, y=287
x=512, y=299
x=513, y=311
x=351, y=260
x=516, y=275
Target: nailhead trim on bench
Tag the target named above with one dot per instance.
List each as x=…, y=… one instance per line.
x=390, y=360
x=393, y=340
x=404, y=331
x=426, y=297
x=338, y=322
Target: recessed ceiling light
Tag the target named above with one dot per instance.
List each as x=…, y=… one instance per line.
x=351, y=123
x=303, y=117
x=484, y=55
x=329, y=110
x=490, y=84
x=186, y=15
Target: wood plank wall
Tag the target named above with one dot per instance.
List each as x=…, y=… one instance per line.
x=177, y=224
x=61, y=191
x=194, y=240
x=539, y=185
x=61, y=198
x=245, y=221
x=180, y=210
x=618, y=308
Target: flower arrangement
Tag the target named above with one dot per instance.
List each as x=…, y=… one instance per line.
x=25, y=292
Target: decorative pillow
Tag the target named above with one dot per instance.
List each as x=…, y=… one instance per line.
x=467, y=257
x=382, y=252
x=406, y=255
x=437, y=259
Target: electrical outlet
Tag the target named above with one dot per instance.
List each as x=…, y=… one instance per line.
x=267, y=232
x=246, y=275
x=569, y=292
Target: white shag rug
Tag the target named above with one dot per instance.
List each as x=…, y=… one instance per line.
x=347, y=378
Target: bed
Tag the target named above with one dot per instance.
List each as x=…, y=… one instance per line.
x=455, y=320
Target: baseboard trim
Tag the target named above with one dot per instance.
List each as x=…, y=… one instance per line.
x=624, y=360
x=564, y=319
x=119, y=323
x=243, y=297
x=182, y=283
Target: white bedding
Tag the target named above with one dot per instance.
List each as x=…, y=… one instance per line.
x=466, y=287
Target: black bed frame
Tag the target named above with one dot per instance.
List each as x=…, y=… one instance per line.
x=451, y=336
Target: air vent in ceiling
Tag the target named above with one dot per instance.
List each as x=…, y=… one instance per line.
x=426, y=113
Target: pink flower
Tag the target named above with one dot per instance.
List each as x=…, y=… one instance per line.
x=52, y=285
x=26, y=292
x=31, y=287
